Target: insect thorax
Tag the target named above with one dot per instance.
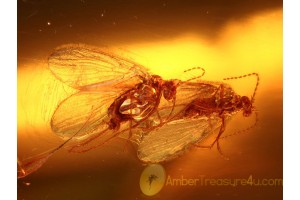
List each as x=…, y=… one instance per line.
x=139, y=103
x=223, y=100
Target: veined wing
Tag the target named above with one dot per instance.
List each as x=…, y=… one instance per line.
x=83, y=67
x=186, y=92
x=78, y=116
x=128, y=130
x=98, y=138
x=84, y=111
x=173, y=138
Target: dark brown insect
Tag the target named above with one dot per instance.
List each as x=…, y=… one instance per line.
x=117, y=96
x=114, y=95
x=208, y=112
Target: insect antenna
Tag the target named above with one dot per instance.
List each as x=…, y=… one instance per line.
x=192, y=69
x=243, y=76
x=244, y=130
x=216, y=141
x=252, y=101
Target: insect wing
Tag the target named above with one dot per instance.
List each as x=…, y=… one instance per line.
x=174, y=137
x=84, y=111
x=83, y=67
x=96, y=139
x=189, y=91
x=127, y=130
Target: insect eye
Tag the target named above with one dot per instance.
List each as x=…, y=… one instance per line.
x=247, y=113
x=169, y=90
x=246, y=101
x=169, y=93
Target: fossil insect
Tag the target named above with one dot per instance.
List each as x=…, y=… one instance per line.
x=114, y=95
x=207, y=113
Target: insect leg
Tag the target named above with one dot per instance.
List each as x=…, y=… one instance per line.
x=129, y=135
x=32, y=164
x=216, y=141
x=220, y=89
x=244, y=130
x=170, y=114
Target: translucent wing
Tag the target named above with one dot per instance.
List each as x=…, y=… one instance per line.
x=98, y=138
x=189, y=91
x=186, y=93
x=77, y=117
x=81, y=66
x=173, y=138
x=84, y=111
x=127, y=130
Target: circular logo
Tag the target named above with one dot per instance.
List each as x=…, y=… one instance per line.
x=152, y=179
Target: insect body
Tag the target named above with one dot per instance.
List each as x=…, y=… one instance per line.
x=207, y=112
x=224, y=102
x=111, y=91
x=140, y=102
x=115, y=95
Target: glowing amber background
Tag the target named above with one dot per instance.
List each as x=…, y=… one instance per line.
x=227, y=38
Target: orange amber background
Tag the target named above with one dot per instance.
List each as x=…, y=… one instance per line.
x=227, y=38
